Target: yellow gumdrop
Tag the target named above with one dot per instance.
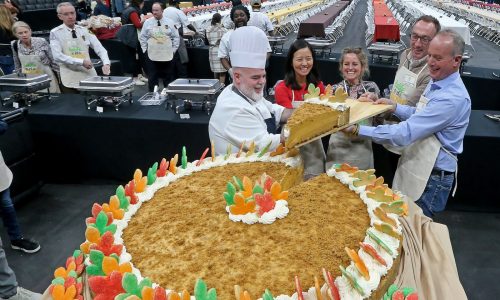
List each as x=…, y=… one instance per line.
x=58, y=292
x=125, y=268
x=60, y=272
x=147, y=293
x=70, y=293
x=109, y=265
x=92, y=235
x=173, y=296
x=137, y=175
x=85, y=247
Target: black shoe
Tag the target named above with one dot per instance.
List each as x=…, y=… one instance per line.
x=26, y=245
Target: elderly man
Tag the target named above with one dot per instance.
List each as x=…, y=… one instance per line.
x=433, y=131
x=160, y=40
x=70, y=47
x=242, y=115
x=259, y=19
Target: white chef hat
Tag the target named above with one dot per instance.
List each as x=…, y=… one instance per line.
x=249, y=45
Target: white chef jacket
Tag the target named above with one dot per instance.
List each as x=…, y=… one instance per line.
x=236, y=120
x=61, y=33
x=176, y=16
x=261, y=21
x=146, y=32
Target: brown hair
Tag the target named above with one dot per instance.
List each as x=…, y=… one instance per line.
x=6, y=19
x=365, y=72
x=429, y=19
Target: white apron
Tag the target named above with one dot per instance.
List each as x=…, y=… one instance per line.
x=312, y=154
x=32, y=64
x=160, y=45
x=416, y=163
x=404, y=85
x=71, y=75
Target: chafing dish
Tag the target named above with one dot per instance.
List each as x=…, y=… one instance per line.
x=321, y=45
x=193, y=94
x=385, y=52
x=24, y=87
x=277, y=41
x=106, y=90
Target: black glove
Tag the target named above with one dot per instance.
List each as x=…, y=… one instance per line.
x=3, y=126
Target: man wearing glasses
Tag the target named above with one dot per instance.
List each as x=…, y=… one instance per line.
x=70, y=47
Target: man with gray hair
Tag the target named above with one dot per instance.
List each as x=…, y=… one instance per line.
x=70, y=47
x=433, y=132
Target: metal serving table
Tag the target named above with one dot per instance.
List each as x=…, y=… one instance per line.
x=277, y=41
x=24, y=88
x=193, y=94
x=106, y=91
x=385, y=52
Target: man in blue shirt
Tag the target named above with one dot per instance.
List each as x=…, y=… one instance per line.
x=433, y=132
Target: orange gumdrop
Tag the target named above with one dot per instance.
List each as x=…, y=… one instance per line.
x=109, y=264
x=173, y=164
x=185, y=295
x=125, y=268
x=58, y=292
x=358, y=262
x=85, y=247
x=275, y=190
x=147, y=293
x=241, y=207
x=137, y=175
x=70, y=292
x=140, y=185
x=247, y=187
x=60, y=272
x=92, y=235
x=114, y=208
x=173, y=296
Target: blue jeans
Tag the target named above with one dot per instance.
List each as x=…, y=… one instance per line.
x=8, y=282
x=7, y=64
x=9, y=216
x=436, y=194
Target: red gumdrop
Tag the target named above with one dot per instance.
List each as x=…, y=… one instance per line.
x=398, y=295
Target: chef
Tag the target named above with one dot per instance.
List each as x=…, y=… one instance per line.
x=70, y=47
x=159, y=40
x=242, y=115
x=260, y=19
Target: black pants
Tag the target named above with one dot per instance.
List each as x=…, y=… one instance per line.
x=180, y=69
x=158, y=70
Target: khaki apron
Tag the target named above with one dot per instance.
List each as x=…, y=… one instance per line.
x=416, y=163
x=356, y=151
x=160, y=45
x=32, y=64
x=312, y=154
x=404, y=85
x=71, y=75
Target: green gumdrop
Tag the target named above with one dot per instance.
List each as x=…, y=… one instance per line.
x=200, y=290
x=145, y=282
x=122, y=296
x=96, y=258
x=184, y=158
x=120, y=192
x=124, y=199
x=311, y=88
x=152, y=174
x=94, y=270
x=267, y=295
x=407, y=291
x=238, y=182
x=58, y=281
x=212, y=294
x=77, y=253
x=101, y=221
x=116, y=257
x=129, y=283
x=229, y=199
x=391, y=290
x=352, y=280
x=257, y=189
x=264, y=150
x=72, y=273
x=231, y=190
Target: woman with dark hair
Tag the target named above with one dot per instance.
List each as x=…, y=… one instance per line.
x=214, y=35
x=6, y=36
x=131, y=16
x=300, y=71
x=343, y=148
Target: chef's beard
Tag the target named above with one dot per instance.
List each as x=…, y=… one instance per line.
x=250, y=92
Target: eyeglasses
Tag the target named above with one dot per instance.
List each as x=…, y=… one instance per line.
x=424, y=39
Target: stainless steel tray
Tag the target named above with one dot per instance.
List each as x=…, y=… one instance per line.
x=151, y=99
x=194, y=86
x=386, y=47
x=106, y=82
x=21, y=79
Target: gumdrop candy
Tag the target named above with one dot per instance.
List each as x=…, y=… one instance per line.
x=264, y=202
x=173, y=164
x=352, y=280
x=278, y=151
x=363, y=178
x=106, y=245
x=124, y=200
x=298, y=288
x=398, y=295
x=212, y=150
x=346, y=168
x=203, y=155
x=229, y=149
x=110, y=264
x=332, y=288
x=251, y=149
x=59, y=292
x=377, y=240
x=379, y=194
x=96, y=209
x=264, y=150
x=114, y=208
x=412, y=296
x=132, y=286
x=160, y=294
x=241, y=207
x=130, y=192
x=373, y=253
x=184, y=159
x=229, y=194
x=151, y=178
x=379, y=213
x=240, y=150
x=201, y=293
x=101, y=224
x=387, y=229
x=162, y=170
x=276, y=192
x=106, y=287
x=358, y=263
x=267, y=295
x=93, y=236
x=147, y=293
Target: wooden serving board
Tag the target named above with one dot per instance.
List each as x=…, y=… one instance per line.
x=359, y=111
